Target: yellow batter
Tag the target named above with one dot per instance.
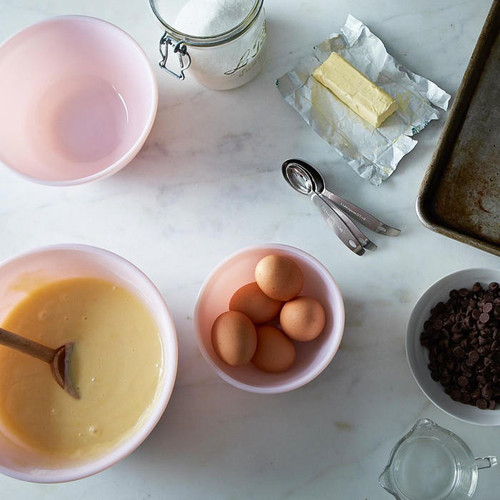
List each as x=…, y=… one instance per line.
x=116, y=366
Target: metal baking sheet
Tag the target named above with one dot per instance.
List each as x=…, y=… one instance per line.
x=460, y=192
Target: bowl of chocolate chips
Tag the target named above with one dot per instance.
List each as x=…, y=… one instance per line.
x=453, y=345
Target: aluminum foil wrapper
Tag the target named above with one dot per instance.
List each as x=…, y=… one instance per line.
x=372, y=152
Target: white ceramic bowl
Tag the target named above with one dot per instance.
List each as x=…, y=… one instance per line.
x=418, y=355
x=78, y=99
x=312, y=357
x=18, y=277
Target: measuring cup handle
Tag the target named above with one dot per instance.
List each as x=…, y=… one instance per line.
x=180, y=49
x=485, y=462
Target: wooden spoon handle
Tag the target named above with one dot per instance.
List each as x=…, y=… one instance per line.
x=26, y=346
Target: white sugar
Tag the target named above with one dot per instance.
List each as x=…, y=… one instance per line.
x=211, y=17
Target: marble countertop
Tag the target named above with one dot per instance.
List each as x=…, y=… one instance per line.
x=208, y=183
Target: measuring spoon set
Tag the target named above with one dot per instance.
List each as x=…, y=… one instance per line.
x=339, y=214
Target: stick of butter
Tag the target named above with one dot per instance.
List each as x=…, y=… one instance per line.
x=355, y=90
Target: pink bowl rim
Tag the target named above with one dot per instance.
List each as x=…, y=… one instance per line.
x=132, y=442
x=334, y=339
x=136, y=147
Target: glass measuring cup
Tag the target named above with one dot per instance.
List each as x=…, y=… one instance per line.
x=432, y=462
x=227, y=53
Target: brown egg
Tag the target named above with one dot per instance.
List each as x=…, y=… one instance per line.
x=275, y=351
x=253, y=302
x=279, y=277
x=302, y=318
x=234, y=338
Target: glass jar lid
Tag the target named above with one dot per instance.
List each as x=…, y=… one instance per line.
x=167, y=19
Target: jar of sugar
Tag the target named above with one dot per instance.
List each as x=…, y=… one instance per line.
x=220, y=42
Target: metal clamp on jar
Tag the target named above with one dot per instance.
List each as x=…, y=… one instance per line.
x=222, y=42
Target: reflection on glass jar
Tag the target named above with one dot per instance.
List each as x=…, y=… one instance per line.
x=220, y=42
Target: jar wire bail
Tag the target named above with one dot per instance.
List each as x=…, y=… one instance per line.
x=180, y=49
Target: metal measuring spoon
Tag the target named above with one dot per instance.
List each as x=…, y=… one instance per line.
x=361, y=216
x=319, y=188
x=304, y=184
x=295, y=175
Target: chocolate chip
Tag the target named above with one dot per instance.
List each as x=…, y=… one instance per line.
x=475, y=394
x=437, y=324
x=482, y=341
x=488, y=307
x=465, y=398
x=487, y=391
x=481, y=403
x=473, y=358
x=484, y=317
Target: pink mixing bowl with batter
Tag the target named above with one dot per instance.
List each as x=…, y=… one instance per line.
x=78, y=99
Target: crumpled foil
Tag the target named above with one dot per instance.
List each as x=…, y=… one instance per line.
x=372, y=152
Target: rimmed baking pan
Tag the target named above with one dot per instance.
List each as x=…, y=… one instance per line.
x=460, y=192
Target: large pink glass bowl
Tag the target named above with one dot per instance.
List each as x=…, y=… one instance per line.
x=78, y=99
x=25, y=273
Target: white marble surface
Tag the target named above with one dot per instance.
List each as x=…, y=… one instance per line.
x=208, y=183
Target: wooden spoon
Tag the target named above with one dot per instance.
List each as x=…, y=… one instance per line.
x=58, y=359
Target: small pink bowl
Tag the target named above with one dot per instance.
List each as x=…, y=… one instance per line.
x=78, y=99
x=312, y=357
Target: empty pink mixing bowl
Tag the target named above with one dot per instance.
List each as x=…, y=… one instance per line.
x=78, y=99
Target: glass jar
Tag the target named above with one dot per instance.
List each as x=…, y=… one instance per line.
x=226, y=46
